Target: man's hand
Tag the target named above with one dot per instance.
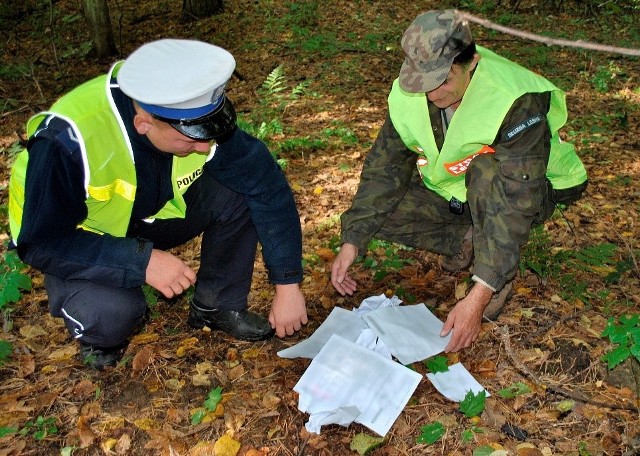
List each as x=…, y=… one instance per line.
x=288, y=310
x=340, y=278
x=169, y=274
x=466, y=318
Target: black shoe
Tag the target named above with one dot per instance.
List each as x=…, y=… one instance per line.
x=99, y=357
x=242, y=324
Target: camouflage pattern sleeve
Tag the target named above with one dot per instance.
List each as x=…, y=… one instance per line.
x=384, y=180
x=507, y=191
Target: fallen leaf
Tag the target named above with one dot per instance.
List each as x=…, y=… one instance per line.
x=226, y=446
x=145, y=338
x=200, y=380
x=124, y=444
x=270, y=400
x=85, y=433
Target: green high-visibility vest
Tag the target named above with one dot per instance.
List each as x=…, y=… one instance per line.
x=494, y=87
x=109, y=169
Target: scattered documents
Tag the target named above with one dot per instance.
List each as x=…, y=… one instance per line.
x=353, y=376
x=346, y=382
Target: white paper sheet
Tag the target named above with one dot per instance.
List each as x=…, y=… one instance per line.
x=412, y=333
x=455, y=383
x=340, y=321
x=344, y=375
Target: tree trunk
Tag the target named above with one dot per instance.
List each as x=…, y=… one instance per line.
x=96, y=13
x=201, y=8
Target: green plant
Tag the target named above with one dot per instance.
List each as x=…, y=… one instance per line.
x=604, y=76
x=39, y=429
x=388, y=258
x=625, y=333
x=209, y=405
x=13, y=281
x=264, y=122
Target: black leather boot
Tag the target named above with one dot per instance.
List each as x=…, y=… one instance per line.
x=100, y=357
x=241, y=324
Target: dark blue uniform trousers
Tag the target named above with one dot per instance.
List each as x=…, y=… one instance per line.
x=106, y=316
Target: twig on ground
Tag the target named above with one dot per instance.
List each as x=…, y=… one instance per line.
x=577, y=396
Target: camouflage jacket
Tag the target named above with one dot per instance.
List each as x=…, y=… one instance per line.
x=501, y=207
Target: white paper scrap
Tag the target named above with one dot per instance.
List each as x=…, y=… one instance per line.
x=369, y=339
x=412, y=333
x=344, y=374
x=340, y=321
x=455, y=383
x=376, y=302
x=343, y=416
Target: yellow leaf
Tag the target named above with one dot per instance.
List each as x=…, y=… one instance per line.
x=144, y=338
x=108, y=445
x=146, y=424
x=251, y=353
x=318, y=190
x=226, y=446
x=63, y=354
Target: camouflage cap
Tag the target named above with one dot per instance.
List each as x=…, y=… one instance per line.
x=430, y=44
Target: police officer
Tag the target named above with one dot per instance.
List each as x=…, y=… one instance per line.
x=467, y=160
x=136, y=162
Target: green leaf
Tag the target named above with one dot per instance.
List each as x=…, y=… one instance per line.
x=616, y=356
x=473, y=404
x=431, y=433
x=566, y=405
x=437, y=364
x=363, y=443
x=484, y=450
x=467, y=436
x=197, y=417
x=6, y=348
x=7, y=431
x=215, y=396
x=517, y=389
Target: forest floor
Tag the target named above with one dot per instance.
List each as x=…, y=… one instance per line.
x=577, y=272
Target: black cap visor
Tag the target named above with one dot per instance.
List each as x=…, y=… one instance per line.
x=208, y=127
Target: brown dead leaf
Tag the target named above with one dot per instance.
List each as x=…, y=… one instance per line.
x=236, y=372
x=270, y=400
x=85, y=433
x=201, y=380
x=85, y=387
x=124, y=444
x=26, y=366
x=32, y=331
x=203, y=449
x=13, y=448
x=326, y=255
x=143, y=359
x=527, y=449
x=63, y=354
